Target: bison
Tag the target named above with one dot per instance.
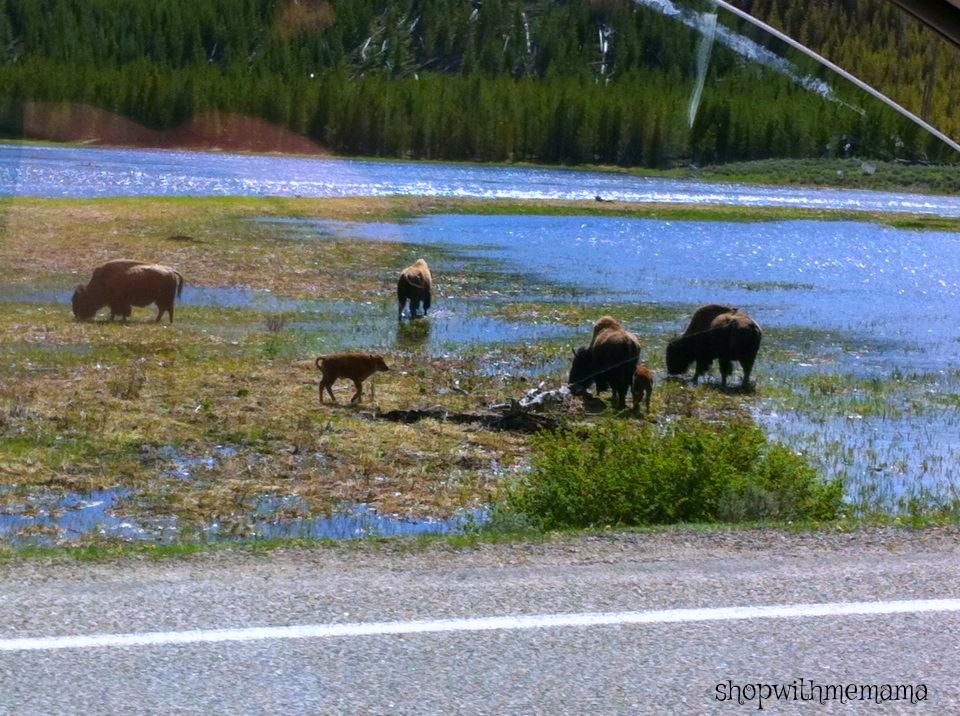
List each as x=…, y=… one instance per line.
x=602, y=324
x=704, y=315
x=414, y=285
x=609, y=360
x=642, y=387
x=353, y=366
x=124, y=283
x=729, y=337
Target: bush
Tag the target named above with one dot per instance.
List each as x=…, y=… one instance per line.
x=691, y=471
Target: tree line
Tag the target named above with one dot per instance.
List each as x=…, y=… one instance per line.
x=602, y=81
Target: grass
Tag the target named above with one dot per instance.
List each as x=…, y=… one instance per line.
x=690, y=471
x=84, y=421
x=832, y=173
x=841, y=173
x=584, y=314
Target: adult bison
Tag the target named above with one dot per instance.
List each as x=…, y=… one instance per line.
x=124, y=283
x=704, y=315
x=414, y=285
x=609, y=360
x=730, y=337
x=603, y=323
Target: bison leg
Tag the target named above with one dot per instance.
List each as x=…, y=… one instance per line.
x=359, y=386
x=426, y=304
x=401, y=298
x=166, y=308
x=618, y=396
x=122, y=310
x=747, y=365
x=726, y=369
x=703, y=367
x=324, y=385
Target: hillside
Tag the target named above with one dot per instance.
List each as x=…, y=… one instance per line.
x=604, y=81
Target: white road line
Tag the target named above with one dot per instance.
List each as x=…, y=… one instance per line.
x=535, y=621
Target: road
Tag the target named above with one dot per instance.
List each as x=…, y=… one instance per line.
x=345, y=606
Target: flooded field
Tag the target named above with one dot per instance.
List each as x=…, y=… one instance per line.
x=859, y=368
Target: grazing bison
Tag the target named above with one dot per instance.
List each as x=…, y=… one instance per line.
x=414, y=285
x=730, y=337
x=704, y=315
x=602, y=324
x=124, y=283
x=642, y=387
x=353, y=366
x=609, y=360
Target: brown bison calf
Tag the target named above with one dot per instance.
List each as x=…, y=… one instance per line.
x=730, y=337
x=414, y=285
x=642, y=387
x=353, y=366
x=124, y=283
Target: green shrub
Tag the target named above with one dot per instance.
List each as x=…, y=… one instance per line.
x=691, y=471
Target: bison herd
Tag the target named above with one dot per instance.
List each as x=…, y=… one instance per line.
x=716, y=332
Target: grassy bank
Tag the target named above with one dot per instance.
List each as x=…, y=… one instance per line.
x=828, y=173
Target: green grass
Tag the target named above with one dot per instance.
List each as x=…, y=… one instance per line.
x=837, y=173
x=690, y=471
x=575, y=314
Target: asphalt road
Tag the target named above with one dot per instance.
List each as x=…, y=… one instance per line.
x=658, y=667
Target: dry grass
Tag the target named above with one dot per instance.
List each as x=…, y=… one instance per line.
x=213, y=243
x=98, y=417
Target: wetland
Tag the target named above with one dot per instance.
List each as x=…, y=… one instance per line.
x=210, y=429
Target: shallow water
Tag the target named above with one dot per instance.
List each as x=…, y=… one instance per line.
x=897, y=290
x=348, y=522
x=28, y=170
x=888, y=461
x=449, y=327
x=45, y=518
x=858, y=299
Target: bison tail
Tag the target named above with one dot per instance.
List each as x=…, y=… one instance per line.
x=179, y=283
x=318, y=361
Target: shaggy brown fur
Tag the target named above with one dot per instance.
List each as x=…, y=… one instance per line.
x=609, y=361
x=353, y=366
x=642, y=387
x=704, y=315
x=414, y=285
x=124, y=283
x=730, y=337
x=602, y=324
